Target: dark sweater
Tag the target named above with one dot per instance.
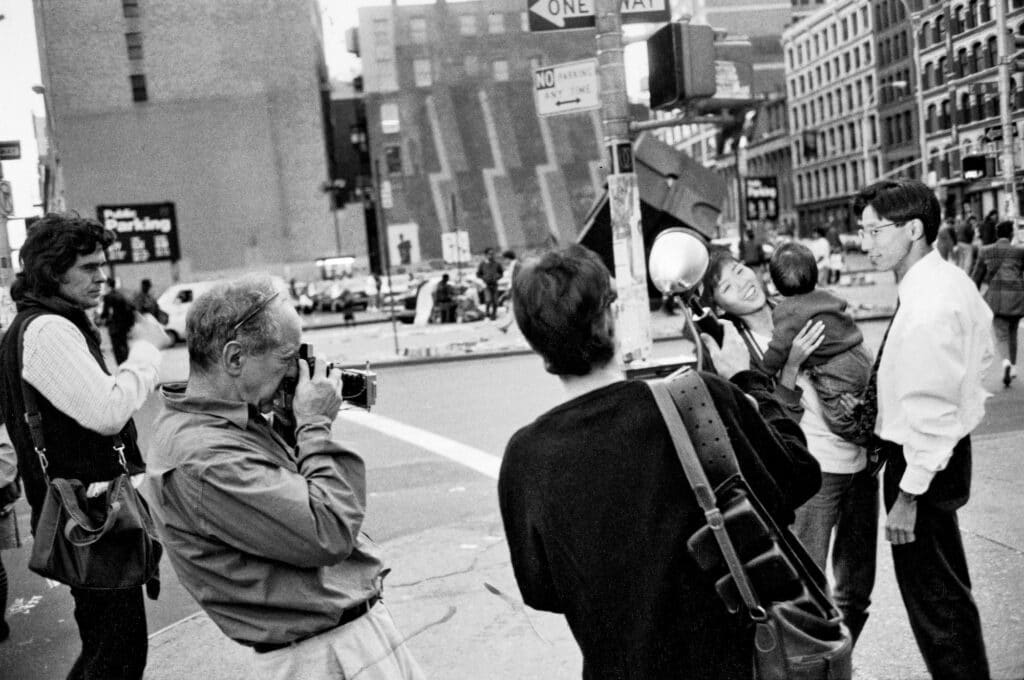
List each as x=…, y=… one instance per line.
x=597, y=512
x=793, y=312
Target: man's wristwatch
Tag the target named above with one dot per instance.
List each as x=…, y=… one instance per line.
x=909, y=497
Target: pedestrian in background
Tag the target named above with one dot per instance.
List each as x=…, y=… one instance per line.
x=145, y=303
x=1001, y=268
x=595, y=505
x=965, y=251
x=511, y=266
x=118, y=315
x=946, y=241
x=82, y=406
x=262, y=528
x=987, y=231
x=928, y=398
x=10, y=491
x=822, y=251
x=490, y=271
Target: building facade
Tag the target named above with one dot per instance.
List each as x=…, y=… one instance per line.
x=216, y=108
x=832, y=88
x=454, y=136
x=898, y=115
x=769, y=155
x=959, y=56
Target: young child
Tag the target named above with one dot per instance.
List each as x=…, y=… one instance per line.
x=841, y=364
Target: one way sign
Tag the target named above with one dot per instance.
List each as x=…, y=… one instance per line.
x=566, y=88
x=555, y=15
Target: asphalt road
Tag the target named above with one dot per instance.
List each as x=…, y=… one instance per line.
x=477, y=403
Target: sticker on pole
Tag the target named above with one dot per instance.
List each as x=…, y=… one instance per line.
x=566, y=88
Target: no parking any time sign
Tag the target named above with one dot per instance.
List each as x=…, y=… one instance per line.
x=566, y=88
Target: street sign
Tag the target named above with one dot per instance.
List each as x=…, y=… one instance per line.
x=762, y=194
x=558, y=15
x=144, y=232
x=566, y=88
x=10, y=151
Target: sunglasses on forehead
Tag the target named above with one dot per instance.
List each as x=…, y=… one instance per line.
x=253, y=311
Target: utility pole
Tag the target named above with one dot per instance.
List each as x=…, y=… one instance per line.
x=1010, y=207
x=632, y=309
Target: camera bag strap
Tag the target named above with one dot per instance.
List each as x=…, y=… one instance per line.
x=717, y=450
x=34, y=418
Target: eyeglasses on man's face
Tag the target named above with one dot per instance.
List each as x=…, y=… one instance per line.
x=253, y=311
x=874, y=230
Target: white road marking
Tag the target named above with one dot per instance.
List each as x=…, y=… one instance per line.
x=460, y=453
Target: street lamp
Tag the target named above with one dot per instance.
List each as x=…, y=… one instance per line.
x=866, y=127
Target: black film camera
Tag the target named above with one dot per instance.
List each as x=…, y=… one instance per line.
x=358, y=386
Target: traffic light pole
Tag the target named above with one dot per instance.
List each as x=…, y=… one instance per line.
x=632, y=309
x=1011, y=209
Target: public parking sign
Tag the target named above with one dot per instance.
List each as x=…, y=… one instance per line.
x=561, y=15
x=566, y=88
x=146, y=232
x=762, y=198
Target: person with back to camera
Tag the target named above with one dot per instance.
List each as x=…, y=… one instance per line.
x=841, y=364
x=596, y=508
x=1001, y=267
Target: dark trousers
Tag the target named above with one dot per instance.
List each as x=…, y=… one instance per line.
x=935, y=585
x=491, y=303
x=112, y=625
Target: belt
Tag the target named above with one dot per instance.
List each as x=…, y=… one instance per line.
x=347, y=616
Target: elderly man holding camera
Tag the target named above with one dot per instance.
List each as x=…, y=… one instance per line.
x=263, y=528
x=55, y=349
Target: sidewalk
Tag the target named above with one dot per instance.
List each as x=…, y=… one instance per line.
x=441, y=594
x=372, y=338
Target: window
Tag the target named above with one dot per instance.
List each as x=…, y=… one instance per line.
x=389, y=121
x=467, y=24
x=387, y=79
x=393, y=159
x=495, y=22
x=421, y=73
x=992, y=53
x=139, y=93
x=472, y=64
x=131, y=8
x=134, y=42
x=418, y=30
x=499, y=70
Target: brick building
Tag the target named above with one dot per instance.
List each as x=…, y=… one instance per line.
x=453, y=129
x=216, y=107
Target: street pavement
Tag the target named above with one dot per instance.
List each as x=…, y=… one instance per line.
x=452, y=592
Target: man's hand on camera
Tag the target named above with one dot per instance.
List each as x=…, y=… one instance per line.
x=149, y=329
x=316, y=396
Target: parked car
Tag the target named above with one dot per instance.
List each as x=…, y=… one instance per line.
x=176, y=301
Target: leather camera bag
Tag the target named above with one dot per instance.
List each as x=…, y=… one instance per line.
x=798, y=631
x=102, y=543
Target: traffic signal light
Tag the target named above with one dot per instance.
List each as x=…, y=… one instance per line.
x=974, y=167
x=680, y=64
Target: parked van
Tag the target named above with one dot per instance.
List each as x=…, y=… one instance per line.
x=177, y=299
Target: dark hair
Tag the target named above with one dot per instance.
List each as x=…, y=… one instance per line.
x=509, y=254
x=902, y=200
x=793, y=269
x=488, y=251
x=146, y=284
x=52, y=245
x=1004, y=229
x=719, y=257
x=949, y=231
x=561, y=304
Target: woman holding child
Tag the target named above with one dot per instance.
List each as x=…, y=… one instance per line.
x=848, y=498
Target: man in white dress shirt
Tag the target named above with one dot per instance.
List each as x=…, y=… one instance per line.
x=82, y=406
x=929, y=399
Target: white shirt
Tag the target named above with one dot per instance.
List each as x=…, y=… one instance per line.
x=834, y=454
x=930, y=392
x=57, y=362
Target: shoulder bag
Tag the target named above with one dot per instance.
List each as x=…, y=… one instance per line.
x=102, y=543
x=798, y=631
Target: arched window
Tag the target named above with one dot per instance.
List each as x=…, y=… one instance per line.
x=992, y=53
x=940, y=71
x=945, y=121
x=986, y=10
x=931, y=122
x=927, y=76
x=963, y=114
x=960, y=66
x=926, y=29
x=977, y=60
x=972, y=14
x=939, y=32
